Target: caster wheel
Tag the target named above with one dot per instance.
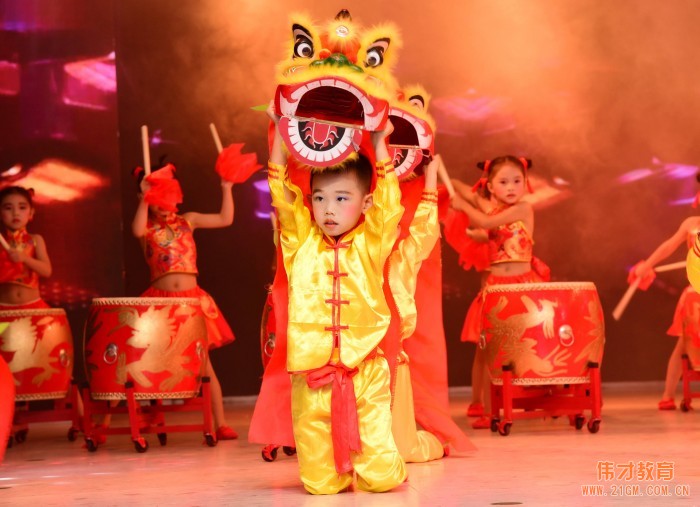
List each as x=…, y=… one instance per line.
x=90, y=444
x=163, y=438
x=21, y=436
x=504, y=429
x=685, y=406
x=72, y=434
x=494, y=425
x=141, y=445
x=269, y=453
x=10, y=442
x=579, y=421
x=289, y=451
x=210, y=440
x=593, y=426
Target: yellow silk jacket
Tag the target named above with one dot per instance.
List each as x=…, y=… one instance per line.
x=405, y=261
x=335, y=287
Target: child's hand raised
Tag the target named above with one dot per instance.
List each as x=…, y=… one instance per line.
x=271, y=113
x=379, y=136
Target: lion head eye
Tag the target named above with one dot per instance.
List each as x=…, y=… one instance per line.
x=303, y=44
x=375, y=53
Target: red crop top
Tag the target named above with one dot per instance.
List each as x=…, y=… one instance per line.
x=169, y=247
x=510, y=243
x=18, y=272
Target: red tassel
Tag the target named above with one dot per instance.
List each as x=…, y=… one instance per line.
x=234, y=166
x=696, y=200
x=164, y=191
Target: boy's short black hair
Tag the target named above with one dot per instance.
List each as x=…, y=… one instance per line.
x=360, y=166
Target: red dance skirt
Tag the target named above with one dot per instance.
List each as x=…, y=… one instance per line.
x=676, y=328
x=219, y=333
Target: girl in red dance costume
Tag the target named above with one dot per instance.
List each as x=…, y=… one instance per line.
x=171, y=255
x=510, y=225
x=686, y=234
x=26, y=259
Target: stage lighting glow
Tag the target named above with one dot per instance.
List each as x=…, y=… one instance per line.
x=12, y=171
x=60, y=180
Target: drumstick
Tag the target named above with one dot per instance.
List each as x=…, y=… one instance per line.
x=617, y=312
x=217, y=139
x=670, y=267
x=442, y=172
x=146, y=150
x=4, y=243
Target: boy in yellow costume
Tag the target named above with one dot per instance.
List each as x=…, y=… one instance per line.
x=341, y=398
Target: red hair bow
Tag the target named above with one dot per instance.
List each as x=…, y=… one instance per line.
x=481, y=182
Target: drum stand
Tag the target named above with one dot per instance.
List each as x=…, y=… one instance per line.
x=148, y=418
x=64, y=409
x=690, y=374
x=549, y=400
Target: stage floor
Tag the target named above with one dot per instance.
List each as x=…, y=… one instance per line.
x=640, y=456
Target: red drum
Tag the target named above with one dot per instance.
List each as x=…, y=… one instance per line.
x=547, y=332
x=38, y=347
x=158, y=343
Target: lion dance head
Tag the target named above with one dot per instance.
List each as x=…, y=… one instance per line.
x=335, y=83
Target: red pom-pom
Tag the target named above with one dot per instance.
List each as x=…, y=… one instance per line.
x=472, y=254
x=234, y=166
x=164, y=191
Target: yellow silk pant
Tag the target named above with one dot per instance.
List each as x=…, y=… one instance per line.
x=414, y=446
x=379, y=467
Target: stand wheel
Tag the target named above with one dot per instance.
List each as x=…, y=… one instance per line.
x=163, y=438
x=210, y=440
x=10, y=441
x=269, y=453
x=141, y=445
x=289, y=451
x=494, y=425
x=579, y=421
x=90, y=444
x=594, y=426
x=72, y=434
x=21, y=436
x=504, y=429
x=685, y=406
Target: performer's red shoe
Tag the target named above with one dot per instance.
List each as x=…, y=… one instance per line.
x=667, y=405
x=475, y=410
x=226, y=433
x=482, y=423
